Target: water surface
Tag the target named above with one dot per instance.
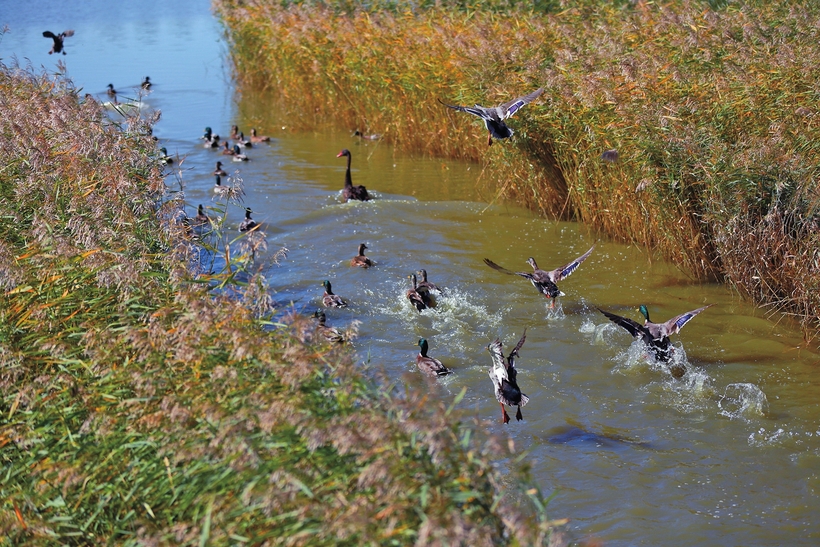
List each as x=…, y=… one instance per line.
x=727, y=454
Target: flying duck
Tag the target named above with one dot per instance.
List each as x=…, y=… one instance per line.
x=494, y=116
x=503, y=374
x=57, y=46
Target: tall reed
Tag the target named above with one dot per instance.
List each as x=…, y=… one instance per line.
x=710, y=107
x=145, y=401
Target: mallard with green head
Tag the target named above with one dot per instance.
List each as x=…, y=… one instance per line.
x=545, y=281
x=331, y=300
x=331, y=334
x=360, y=260
x=427, y=364
x=504, y=377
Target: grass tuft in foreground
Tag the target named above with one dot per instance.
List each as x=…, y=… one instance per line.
x=710, y=106
x=144, y=402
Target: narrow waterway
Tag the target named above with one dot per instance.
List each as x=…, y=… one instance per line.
x=728, y=454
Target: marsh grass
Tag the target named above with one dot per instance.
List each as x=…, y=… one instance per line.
x=149, y=397
x=711, y=107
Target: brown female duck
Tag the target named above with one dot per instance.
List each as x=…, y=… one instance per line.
x=360, y=260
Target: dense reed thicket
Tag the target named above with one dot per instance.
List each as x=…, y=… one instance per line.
x=145, y=403
x=712, y=112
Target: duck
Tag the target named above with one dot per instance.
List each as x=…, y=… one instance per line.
x=654, y=335
x=219, y=171
x=331, y=300
x=258, y=138
x=57, y=46
x=201, y=219
x=358, y=192
x=419, y=298
x=494, y=116
x=545, y=281
x=504, y=377
x=248, y=224
x=146, y=83
x=165, y=158
x=227, y=150
x=218, y=188
x=371, y=137
x=331, y=334
x=234, y=133
x=213, y=142
x=208, y=134
x=360, y=260
x=242, y=142
x=237, y=154
x=428, y=365
x=424, y=284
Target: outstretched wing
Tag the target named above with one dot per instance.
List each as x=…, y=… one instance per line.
x=68, y=33
x=675, y=324
x=475, y=111
x=632, y=327
x=501, y=269
x=49, y=34
x=514, y=353
x=510, y=108
x=567, y=269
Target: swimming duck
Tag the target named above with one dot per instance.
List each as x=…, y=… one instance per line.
x=654, y=335
x=57, y=46
x=201, y=219
x=219, y=171
x=545, y=282
x=371, y=137
x=165, y=158
x=218, y=188
x=358, y=192
x=503, y=374
x=331, y=300
x=111, y=91
x=240, y=141
x=419, y=298
x=331, y=334
x=213, y=142
x=248, y=224
x=427, y=364
x=237, y=154
x=494, y=116
x=424, y=284
x=258, y=138
x=146, y=83
x=208, y=135
x=234, y=133
x=227, y=150
x=360, y=260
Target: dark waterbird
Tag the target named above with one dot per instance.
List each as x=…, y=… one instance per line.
x=420, y=298
x=545, y=281
x=331, y=300
x=57, y=46
x=350, y=191
x=248, y=223
x=494, y=116
x=503, y=374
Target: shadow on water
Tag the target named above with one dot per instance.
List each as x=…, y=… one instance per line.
x=577, y=435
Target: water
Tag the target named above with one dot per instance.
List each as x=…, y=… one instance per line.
x=727, y=454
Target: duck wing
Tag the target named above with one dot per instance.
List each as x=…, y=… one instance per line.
x=632, y=327
x=509, y=108
x=674, y=325
x=502, y=269
x=480, y=111
x=514, y=353
x=567, y=270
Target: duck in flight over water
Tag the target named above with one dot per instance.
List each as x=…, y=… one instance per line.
x=494, y=116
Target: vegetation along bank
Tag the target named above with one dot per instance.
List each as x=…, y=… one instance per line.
x=143, y=402
x=686, y=127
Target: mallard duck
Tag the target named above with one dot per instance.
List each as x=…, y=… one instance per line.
x=545, y=282
x=654, y=335
x=237, y=154
x=146, y=83
x=428, y=365
x=503, y=374
x=248, y=224
x=360, y=260
x=371, y=137
x=57, y=46
x=331, y=300
x=111, y=91
x=258, y=138
x=219, y=171
x=358, y=192
x=424, y=284
x=419, y=298
x=494, y=116
x=227, y=150
x=218, y=188
x=242, y=142
x=201, y=219
x=165, y=158
x=331, y=334
x=234, y=132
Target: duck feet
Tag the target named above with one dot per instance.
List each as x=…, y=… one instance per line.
x=518, y=415
x=505, y=418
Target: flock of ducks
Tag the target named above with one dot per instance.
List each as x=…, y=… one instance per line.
x=422, y=293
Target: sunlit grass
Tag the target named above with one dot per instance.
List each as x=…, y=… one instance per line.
x=711, y=108
x=149, y=395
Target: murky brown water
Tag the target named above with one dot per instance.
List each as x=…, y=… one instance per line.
x=727, y=455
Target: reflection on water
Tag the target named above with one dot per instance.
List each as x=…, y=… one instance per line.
x=725, y=454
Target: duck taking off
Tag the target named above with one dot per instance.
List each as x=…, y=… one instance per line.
x=494, y=116
x=545, y=281
x=57, y=46
x=503, y=374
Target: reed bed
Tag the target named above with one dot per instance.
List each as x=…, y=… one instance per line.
x=711, y=107
x=144, y=401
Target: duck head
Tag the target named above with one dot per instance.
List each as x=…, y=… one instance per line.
x=644, y=311
x=423, y=347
